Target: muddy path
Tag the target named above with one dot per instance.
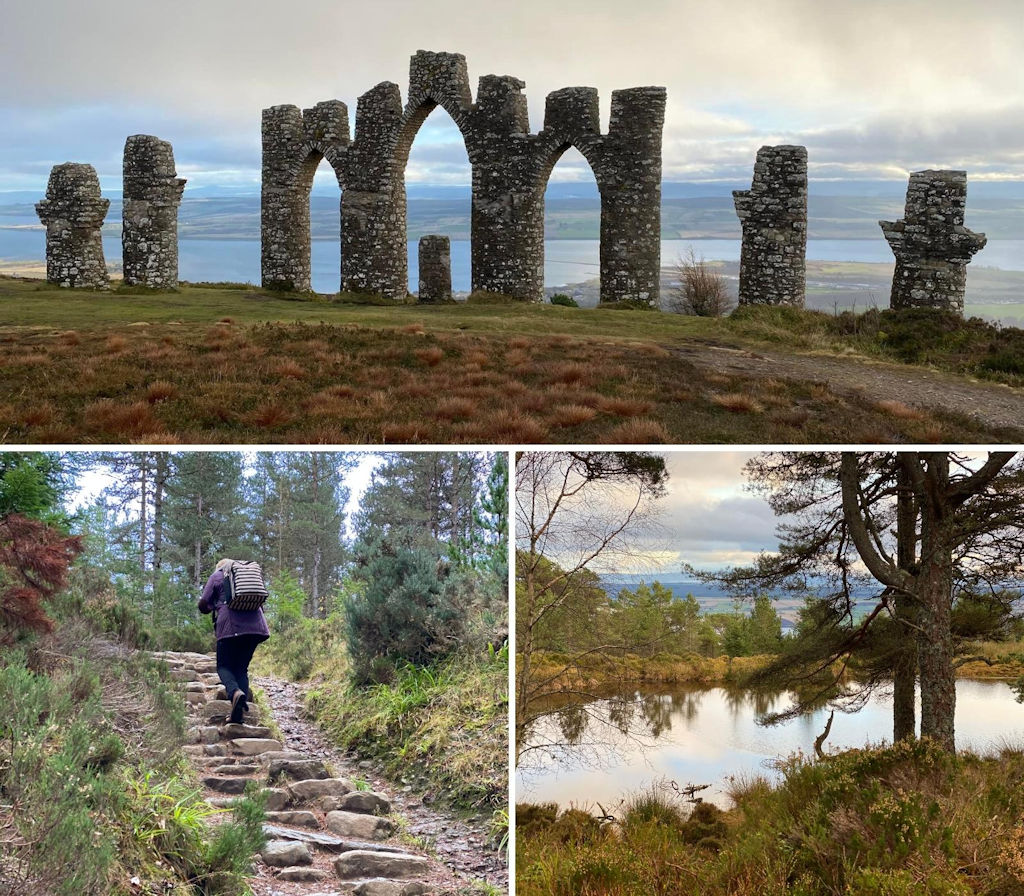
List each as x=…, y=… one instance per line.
x=460, y=844
x=995, y=405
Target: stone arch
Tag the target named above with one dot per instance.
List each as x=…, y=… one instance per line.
x=294, y=144
x=510, y=170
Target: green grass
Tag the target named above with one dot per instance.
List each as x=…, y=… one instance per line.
x=897, y=821
x=457, y=710
x=95, y=788
x=238, y=365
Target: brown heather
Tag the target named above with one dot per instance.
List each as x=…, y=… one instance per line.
x=738, y=402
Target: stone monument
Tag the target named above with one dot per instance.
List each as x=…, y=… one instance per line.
x=73, y=212
x=931, y=244
x=152, y=194
x=773, y=214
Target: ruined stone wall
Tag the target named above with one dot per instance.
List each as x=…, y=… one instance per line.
x=73, y=212
x=435, y=269
x=152, y=194
x=931, y=244
x=294, y=143
x=510, y=169
x=773, y=214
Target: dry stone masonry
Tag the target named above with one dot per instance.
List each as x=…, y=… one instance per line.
x=152, y=194
x=320, y=829
x=931, y=244
x=510, y=169
x=773, y=214
x=435, y=267
x=73, y=213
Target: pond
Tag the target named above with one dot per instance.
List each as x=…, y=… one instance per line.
x=704, y=736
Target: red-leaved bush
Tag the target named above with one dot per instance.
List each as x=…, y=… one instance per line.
x=34, y=561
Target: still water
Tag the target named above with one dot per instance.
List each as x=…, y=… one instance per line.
x=565, y=261
x=703, y=736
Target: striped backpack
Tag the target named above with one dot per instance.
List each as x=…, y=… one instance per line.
x=246, y=588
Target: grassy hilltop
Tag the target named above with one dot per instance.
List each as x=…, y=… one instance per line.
x=235, y=364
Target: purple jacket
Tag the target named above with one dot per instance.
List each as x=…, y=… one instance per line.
x=230, y=622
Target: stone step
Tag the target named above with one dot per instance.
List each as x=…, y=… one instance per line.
x=298, y=874
x=286, y=853
x=324, y=841
x=298, y=769
x=357, y=801
x=358, y=824
x=363, y=864
x=225, y=785
x=381, y=887
x=237, y=729
x=300, y=817
x=316, y=788
x=253, y=746
x=237, y=769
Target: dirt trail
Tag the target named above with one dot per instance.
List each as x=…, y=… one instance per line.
x=995, y=405
x=332, y=828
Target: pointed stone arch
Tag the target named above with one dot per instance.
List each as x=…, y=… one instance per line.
x=510, y=167
x=294, y=144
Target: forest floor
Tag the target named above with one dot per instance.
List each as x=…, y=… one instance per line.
x=212, y=364
x=320, y=817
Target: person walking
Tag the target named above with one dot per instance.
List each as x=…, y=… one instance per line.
x=239, y=633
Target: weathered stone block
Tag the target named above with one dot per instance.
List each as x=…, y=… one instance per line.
x=365, y=801
x=314, y=789
x=284, y=853
x=435, y=267
x=362, y=863
x=358, y=824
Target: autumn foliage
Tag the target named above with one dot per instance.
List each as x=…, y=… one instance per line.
x=34, y=561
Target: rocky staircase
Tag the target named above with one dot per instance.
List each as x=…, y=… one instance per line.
x=321, y=830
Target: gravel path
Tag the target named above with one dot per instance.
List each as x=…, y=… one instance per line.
x=994, y=405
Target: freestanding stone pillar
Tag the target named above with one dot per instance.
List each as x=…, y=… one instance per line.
x=773, y=213
x=73, y=213
x=629, y=179
x=152, y=194
x=435, y=264
x=931, y=244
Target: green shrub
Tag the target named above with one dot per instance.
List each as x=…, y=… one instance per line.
x=403, y=614
x=560, y=298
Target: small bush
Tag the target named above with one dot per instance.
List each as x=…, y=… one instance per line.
x=560, y=298
x=700, y=290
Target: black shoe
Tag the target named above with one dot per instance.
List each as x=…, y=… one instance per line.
x=237, y=705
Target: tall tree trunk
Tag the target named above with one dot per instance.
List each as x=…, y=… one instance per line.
x=143, y=508
x=199, y=545
x=935, y=591
x=904, y=668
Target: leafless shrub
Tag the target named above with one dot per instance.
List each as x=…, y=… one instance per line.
x=699, y=289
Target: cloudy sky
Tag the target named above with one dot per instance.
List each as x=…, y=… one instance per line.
x=874, y=88
x=707, y=518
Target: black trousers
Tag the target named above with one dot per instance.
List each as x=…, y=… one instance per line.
x=233, y=658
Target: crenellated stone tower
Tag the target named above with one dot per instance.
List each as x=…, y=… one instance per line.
x=73, y=212
x=773, y=214
x=152, y=194
x=510, y=168
x=931, y=244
